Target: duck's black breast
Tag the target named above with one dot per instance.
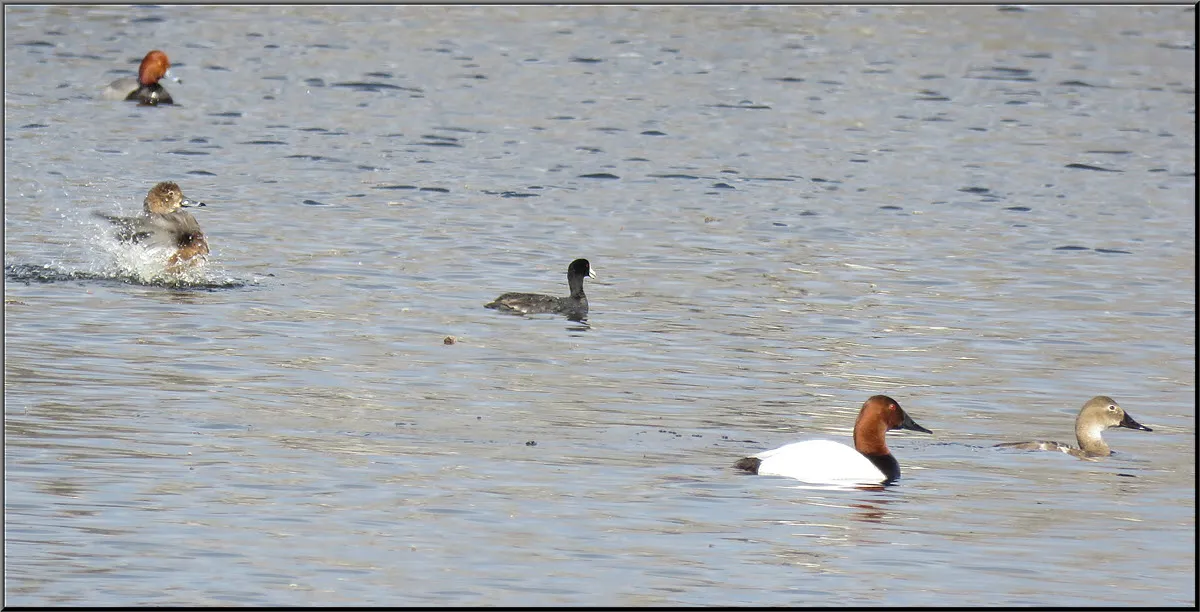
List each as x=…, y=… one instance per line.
x=151, y=95
x=886, y=464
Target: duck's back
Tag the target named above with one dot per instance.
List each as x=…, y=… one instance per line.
x=534, y=303
x=1047, y=445
x=818, y=461
x=1034, y=445
x=120, y=88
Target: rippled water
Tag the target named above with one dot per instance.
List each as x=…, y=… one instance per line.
x=987, y=213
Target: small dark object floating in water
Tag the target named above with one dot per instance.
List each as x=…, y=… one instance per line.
x=1087, y=167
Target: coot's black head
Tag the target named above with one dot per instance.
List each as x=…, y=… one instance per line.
x=579, y=269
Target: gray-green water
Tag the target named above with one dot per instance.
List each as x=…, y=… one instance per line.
x=987, y=213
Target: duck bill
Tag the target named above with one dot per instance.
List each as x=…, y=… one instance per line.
x=186, y=203
x=911, y=425
x=1132, y=424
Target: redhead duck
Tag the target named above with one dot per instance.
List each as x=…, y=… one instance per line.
x=828, y=462
x=163, y=225
x=575, y=306
x=1098, y=414
x=145, y=88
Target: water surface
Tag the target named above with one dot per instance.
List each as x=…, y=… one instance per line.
x=986, y=213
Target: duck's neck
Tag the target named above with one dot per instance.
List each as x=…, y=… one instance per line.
x=869, y=437
x=576, y=285
x=1089, y=439
x=869, y=440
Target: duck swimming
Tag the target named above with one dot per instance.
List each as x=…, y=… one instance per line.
x=575, y=306
x=162, y=225
x=1098, y=414
x=145, y=89
x=829, y=462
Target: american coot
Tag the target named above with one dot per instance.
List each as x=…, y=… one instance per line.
x=163, y=225
x=575, y=306
x=1098, y=414
x=829, y=462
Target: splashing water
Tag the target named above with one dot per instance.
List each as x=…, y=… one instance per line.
x=107, y=259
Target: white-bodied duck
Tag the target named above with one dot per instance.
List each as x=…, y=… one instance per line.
x=828, y=462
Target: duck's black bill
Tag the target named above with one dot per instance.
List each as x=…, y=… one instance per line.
x=912, y=425
x=1132, y=424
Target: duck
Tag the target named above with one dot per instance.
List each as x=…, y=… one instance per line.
x=575, y=306
x=869, y=462
x=145, y=89
x=163, y=225
x=1097, y=414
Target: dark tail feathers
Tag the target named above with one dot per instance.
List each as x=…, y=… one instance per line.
x=750, y=464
